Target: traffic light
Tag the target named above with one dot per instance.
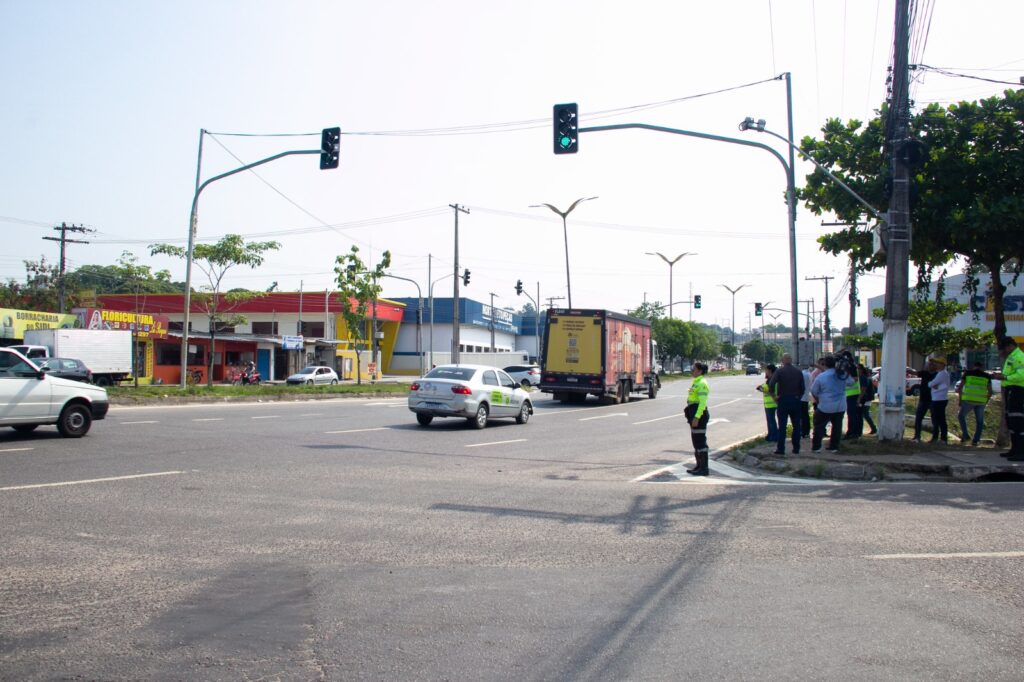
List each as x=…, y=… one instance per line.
x=519, y=287
x=330, y=148
x=465, y=277
x=757, y=309
x=696, y=301
x=566, y=129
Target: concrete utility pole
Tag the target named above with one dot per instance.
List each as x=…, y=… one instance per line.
x=455, y=295
x=492, y=295
x=828, y=322
x=896, y=239
x=63, y=239
x=551, y=300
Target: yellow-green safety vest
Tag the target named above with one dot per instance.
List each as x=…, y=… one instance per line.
x=698, y=395
x=769, y=399
x=854, y=389
x=1013, y=368
x=975, y=389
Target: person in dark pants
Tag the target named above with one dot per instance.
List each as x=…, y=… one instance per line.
x=939, y=387
x=697, y=417
x=867, y=395
x=805, y=405
x=771, y=405
x=854, y=420
x=787, y=384
x=830, y=390
x=1012, y=377
x=924, y=400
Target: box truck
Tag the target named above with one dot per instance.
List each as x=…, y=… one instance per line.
x=597, y=352
x=106, y=352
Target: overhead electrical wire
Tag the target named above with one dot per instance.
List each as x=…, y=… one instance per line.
x=947, y=72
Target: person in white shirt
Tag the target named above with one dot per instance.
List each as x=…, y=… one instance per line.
x=939, y=387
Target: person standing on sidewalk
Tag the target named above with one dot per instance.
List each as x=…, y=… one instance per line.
x=1012, y=377
x=867, y=395
x=939, y=387
x=697, y=416
x=805, y=404
x=924, y=399
x=975, y=391
x=787, y=384
x=770, y=405
x=854, y=395
x=830, y=391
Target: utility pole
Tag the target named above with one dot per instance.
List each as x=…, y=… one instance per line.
x=854, y=302
x=455, y=295
x=828, y=322
x=551, y=300
x=492, y=294
x=63, y=239
x=896, y=238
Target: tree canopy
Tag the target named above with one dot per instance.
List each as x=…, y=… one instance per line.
x=358, y=286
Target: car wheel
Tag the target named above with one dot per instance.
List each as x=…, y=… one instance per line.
x=74, y=421
x=309, y=383
x=525, y=383
x=424, y=419
x=480, y=420
x=334, y=382
x=524, y=413
x=26, y=428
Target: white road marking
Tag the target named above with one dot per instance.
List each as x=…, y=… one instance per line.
x=604, y=416
x=497, y=442
x=16, y=449
x=390, y=403
x=716, y=421
x=90, y=480
x=950, y=555
x=209, y=419
x=658, y=419
x=312, y=414
x=267, y=416
x=151, y=421
x=379, y=428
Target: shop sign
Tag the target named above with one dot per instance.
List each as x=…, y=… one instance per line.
x=292, y=342
x=14, y=323
x=144, y=325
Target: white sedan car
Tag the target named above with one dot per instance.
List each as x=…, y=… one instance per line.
x=313, y=375
x=474, y=392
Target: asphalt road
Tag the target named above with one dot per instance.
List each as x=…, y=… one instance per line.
x=339, y=540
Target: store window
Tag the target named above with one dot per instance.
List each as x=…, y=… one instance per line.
x=265, y=328
x=313, y=330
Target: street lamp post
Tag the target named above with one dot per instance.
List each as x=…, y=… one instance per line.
x=430, y=294
x=671, y=262
x=565, y=232
x=733, y=292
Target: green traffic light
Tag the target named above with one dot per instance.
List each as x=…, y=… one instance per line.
x=565, y=141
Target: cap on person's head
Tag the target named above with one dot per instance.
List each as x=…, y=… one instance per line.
x=1007, y=342
x=937, y=360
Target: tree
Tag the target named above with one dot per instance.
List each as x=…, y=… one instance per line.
x=648, y=311
x=41, y=290
x=674, y=337
x=966, y=199
x=755, y=349
x=929, y=329
x=357, y=287
x=126, y=277
x=729, y=351
x=214, y=261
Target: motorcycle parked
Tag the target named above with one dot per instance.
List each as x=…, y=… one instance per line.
x=251, y=376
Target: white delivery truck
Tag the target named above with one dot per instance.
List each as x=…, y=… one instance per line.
x=106, y=352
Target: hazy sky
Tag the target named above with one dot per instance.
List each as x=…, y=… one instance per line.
x=103, y=103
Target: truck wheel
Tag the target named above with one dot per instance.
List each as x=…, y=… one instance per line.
x=652, y=389
x=480, y=420
x=424, y=419
x=74, y=421
x=103, y=380
x=626, y=388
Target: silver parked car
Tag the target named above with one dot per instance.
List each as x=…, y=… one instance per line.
x=313, y=374
x=474, y=392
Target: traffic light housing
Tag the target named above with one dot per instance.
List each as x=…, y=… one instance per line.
x=465, y=277
x=758, y=309
x=519, y=287
x=696, y=301
x=566, y=128
x=330, y=148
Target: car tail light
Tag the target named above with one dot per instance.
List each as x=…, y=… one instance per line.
x=414, y=386
x=534, y=371
x=462, y=390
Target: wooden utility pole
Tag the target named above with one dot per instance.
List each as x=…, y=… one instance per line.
x=63, y=239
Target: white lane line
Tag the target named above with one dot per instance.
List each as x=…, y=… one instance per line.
x=90, y=480
x=497, y=442
x=312, y=414
x=389, y=403
x=605, y=416
x=674, y=416
x=656, y=472
x=209, y=419
x=16, y=449
x=658, y=419
x=267, y=416
x=150, y=421
x=379, y=428
x=950, y=555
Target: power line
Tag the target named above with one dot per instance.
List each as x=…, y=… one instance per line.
x=946, y=72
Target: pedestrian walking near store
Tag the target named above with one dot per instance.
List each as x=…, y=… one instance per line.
x=787, y=384
x=1012, y=377
x=770, y=405
x=697, y=417
x=975, y=390
x=939, y=386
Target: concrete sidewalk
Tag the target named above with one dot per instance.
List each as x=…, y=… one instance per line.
x=867, y=459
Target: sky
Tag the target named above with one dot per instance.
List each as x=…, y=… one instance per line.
x=104, y=102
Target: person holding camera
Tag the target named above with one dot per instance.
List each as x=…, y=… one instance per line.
x=830, y=391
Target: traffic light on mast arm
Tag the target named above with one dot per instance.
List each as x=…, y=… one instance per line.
x=330, y=148
x=757, y=309
x=465, y=277
x=519, y=287
x=696, y=301
x=566, y=128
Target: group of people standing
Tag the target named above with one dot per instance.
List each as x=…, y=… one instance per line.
x=835, y=389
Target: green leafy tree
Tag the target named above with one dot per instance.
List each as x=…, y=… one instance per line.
x=214, y=261
x=706, y=345
x=648, y=311
x=357, y=288
x=127, y=276
x=755, y=349
x=41, y=289
x=966, y=198
x=929, y=329
x=674, y=337
x=729, y=351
